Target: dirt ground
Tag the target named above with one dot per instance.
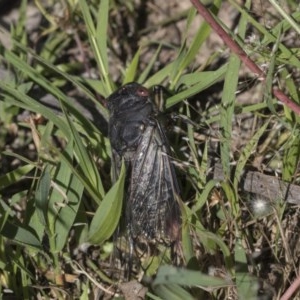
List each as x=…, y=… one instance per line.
x=146, y=22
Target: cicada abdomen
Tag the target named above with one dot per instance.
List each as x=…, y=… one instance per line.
x=151, y=205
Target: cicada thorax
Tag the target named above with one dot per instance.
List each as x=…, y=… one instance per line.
x=151, y=217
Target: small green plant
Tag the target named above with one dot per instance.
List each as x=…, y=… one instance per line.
x=58, y=206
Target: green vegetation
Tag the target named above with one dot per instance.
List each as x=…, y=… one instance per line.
x=58, y=206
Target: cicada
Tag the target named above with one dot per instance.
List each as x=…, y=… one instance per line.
x=151, y=206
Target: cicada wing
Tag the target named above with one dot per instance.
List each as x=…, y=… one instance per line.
x=151, y=210
x=152, y=207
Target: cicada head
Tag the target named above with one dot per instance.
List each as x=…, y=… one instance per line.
x=130, y=98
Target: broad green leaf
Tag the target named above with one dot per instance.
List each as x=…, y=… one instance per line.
x=185, y=58
x=42, y=195
x=64, y=201
x=212, y=241
x=172, y=291
x=5, y=212
x=107, y=216
x=18, y=32
x=46, y=135
x=97, y=85
x=67, y=214
x=88, y=21
x=32, y=219
x=20, y=234
x=55, y=45
x=27, y=277
x=58, y=196
x=247, y=284
x=232, y=196
x=171, y=275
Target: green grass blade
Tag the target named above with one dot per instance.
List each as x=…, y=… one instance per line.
x=20, y=99
x=247, y=151
x=270, y=76
x=227, y=111
x=88, y=21
x=271, y=36
x=45, y=83
x=228, y=103
x=101, y=31
x=205, y=194
x=41, y=196
x=187, y=245
x=291, y=157
x=98, y=43
x=86, y=163
x=187, y=58
x=131, y=71
x=159, y=76
x=69, y=77
x=207, y=78
x=202, y=80
x=286, y=16
x=147, y=70
x=14, y=176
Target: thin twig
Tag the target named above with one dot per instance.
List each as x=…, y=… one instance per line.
x=81, y=270
x=234, y=47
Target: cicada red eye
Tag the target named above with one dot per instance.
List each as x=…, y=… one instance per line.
x=142, y=92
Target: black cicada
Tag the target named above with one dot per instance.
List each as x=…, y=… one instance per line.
x=151, y=209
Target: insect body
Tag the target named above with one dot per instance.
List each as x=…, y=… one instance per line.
x=151, y=209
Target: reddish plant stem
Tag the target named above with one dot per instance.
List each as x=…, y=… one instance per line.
x=281, y=96
x=234, y=47
x=291, y=290
x=202, y=10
